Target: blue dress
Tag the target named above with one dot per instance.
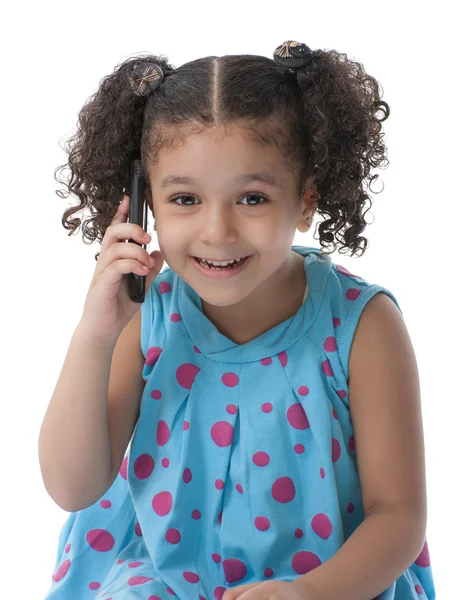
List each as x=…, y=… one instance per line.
x=242, y=465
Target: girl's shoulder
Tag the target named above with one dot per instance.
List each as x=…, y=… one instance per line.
x=345, y=296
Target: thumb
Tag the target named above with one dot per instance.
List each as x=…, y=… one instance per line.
x=236, y=592
x=154, y=271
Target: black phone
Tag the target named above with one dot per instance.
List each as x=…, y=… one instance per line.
x=138, y=213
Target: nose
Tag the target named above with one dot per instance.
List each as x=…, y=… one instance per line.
x=218, y=226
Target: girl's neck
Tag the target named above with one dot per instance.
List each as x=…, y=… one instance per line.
x=241, y=325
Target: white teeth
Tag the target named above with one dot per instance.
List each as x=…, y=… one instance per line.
x=220, y=263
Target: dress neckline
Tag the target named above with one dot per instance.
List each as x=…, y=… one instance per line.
x=216, y=346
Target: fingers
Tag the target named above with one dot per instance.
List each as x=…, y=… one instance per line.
x=114, y=245
x=122, y=210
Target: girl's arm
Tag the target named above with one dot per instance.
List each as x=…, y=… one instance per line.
x=384, y=398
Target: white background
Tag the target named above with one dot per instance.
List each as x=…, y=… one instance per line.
x=53, y=58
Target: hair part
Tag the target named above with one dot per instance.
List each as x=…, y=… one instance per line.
x=327, y=126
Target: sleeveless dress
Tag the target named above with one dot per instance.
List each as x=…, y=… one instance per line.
x=242, y=465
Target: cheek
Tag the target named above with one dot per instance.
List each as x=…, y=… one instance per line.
x=171, y=248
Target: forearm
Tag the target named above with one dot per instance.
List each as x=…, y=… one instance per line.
x=74, y=444
x=376, y=554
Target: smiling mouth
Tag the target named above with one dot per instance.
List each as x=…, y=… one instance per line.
x=220, y=267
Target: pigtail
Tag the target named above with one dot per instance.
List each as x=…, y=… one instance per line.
x=108, y=137
x=339, y=103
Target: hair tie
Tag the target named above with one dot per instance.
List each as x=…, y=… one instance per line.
x=145, y=78
x=293, y=55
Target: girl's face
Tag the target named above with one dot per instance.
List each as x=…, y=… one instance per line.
x=218, y=212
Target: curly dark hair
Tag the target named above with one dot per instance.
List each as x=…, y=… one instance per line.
x=327, y=125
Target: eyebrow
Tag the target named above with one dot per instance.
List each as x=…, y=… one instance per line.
x=263, y=177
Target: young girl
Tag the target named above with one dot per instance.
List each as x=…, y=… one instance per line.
x=273, y=396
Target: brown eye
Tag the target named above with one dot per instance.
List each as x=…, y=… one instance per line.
x=174, y=200
x=254, y=196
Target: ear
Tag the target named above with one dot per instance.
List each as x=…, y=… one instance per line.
x=309, y=206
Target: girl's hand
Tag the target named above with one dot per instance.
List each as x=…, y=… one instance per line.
x=108, y=307
x=270, y=590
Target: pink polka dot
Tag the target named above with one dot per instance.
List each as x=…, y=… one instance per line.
x=322, y=473
x=418, y=589
x=186, y=374
x=170, y=591
x=219, y=591
x=219, y=517
x=62, y=570
x=196, y=514
x=138, y=580
x=134, y=565
x=239, y=488
x=216, y=557
x=163, y=433
x=352, y=294
x=336, y=322
x=297, y=417
x=298, y=533
x=119, y=562
x=326, y=368
x=105, y=504
x=187, y=475
x=234, y=569
x=322, y=525
x=303, y=390
x=196, y=349
x=173, y=535
x=266, y=407
x=262, y=523
x=186, y=425
x=68, y=546
x=152, y=355
x=303, y=562
x=190, y=577
x=137, y=529
x=424, y=559
x=219, y=484
x=162, y=503
x=222, y=433
x=266, y=361
x=350, y=507
x=175, y=318
x=330, y=344
x=143, y=466
x=299, y=448
x=341, y=393
x=260, y=459
x=351, y=444
x=156, y=394
x=100, y=540
x=335, y=450
x=164, y=287
x=232, y=409
x=94, y=585
x=124, y=467
x=230, y=379
x=283, y=358
x=268, y=572
x=165, y=462
x=283, y=489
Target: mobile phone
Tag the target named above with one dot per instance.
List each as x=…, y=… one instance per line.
x=138, y=213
